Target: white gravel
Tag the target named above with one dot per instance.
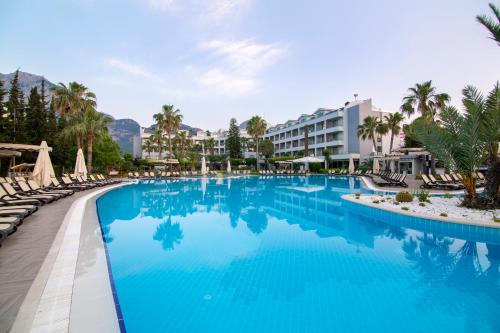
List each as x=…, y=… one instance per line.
x=436, y=207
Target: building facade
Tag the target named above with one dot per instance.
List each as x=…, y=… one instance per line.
x=196, y=138
x=331, y=129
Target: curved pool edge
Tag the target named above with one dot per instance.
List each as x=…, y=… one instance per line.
x=58, y=299
x=350, y=198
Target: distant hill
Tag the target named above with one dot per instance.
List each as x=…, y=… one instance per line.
x=123, y=132
x=184, y=127
x=27, y=81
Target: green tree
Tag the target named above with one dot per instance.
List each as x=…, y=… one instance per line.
x=233, y=141
x=158, y=135
x=52, y=126
x=148, y=146
x=36, y=122
x=493, y=25
x=490, y=133
x=70, y=101
x=158, y=140
x=326, y=155
x=181, y=145
x=369, y=129
x=458, y=141
x=209, y=145
x=106, y=154
x=256, y=127
x=393, y=122
x=96, y=126
x=3, y=114
x=171, y=124
x=267, y=148
x=424, y=100
x=16, y=125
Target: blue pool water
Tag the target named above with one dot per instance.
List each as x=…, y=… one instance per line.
x=287, y=254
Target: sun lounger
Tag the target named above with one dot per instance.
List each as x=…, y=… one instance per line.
x=13, y=194
x=35, y=187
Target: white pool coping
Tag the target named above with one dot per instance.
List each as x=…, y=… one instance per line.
x=49, y=302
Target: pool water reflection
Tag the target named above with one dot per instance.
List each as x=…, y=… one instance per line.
x=287, y=254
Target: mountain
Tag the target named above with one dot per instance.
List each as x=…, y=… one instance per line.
x=123, y=132
x=27, y=81
x=183, y=127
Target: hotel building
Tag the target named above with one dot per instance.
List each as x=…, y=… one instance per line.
x=331, y=129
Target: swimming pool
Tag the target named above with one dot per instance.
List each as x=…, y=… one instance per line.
x=287, y=254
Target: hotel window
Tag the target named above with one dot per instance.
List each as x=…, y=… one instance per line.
x=320, y=126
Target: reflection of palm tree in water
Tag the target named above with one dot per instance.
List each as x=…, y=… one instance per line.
x=462, y=271
x=169, y=234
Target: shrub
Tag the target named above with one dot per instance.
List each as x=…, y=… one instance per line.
x=405, y=208
x=423, y=195
x=323, y=171
x=448, y=196
x=404, y=197
x=314, y=167
x=443, y=215
x=375, y=201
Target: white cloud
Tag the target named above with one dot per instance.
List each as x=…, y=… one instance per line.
x=239, y=64
x=226, y=83
x=132, y=69
x=246, y=56
x=209, y=11
x=163, y=5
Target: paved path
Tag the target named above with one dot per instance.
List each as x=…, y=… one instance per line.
x=23, y=253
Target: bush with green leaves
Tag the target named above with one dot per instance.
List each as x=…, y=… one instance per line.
x=404, y=196
x=422, y=195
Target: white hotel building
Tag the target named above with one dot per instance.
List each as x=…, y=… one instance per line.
x=332, y=129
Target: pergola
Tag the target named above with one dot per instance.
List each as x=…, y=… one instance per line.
x=13, y=150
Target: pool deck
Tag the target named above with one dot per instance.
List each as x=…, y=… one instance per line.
x=23, y=253
x=63, y=283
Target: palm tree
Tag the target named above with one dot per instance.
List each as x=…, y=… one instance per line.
x=256, y=127
x=95, y=124
x=370, y=128
x=172, y=123
x=157, y=138
x=490, y=134
x=393, y=123
x=490, y=24
x=424, y=98
x=181, y=144
x=148, y=146
x=458, y=141
x=210, y=145
x=70, y=100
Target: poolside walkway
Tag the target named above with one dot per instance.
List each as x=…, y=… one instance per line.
x=23, y=253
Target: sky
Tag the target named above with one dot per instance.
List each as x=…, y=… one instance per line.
x=217, y=59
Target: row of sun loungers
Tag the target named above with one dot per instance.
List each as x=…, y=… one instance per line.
x=21, y=197
x=168, y=174
x=451, y=181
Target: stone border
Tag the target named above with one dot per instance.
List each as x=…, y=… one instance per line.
x=47, y=305
x=351, y=198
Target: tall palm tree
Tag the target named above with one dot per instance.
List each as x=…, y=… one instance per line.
x=458, y=141
x=256, y=127
x=96, y=124
x=181, y=144
x=369, y=129
x=424, y=100
x=157, y=138
x=393, y=122
x=492, y=25
x=172, y=123
x=70, y=101
x=148, y=146
x=490, y=134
